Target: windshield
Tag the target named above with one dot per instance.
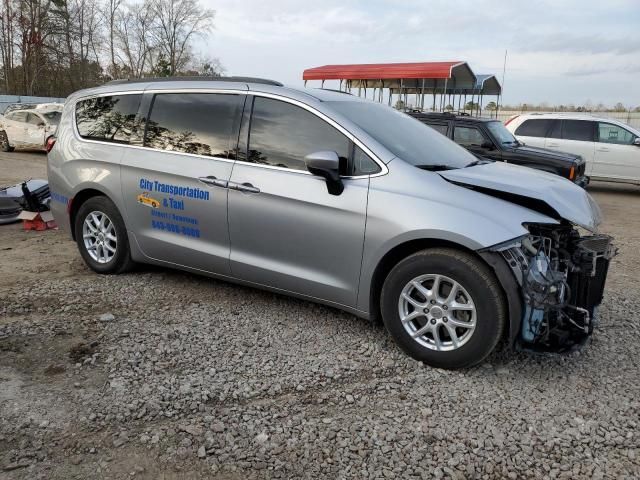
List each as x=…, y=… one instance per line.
x=404, y=136
x=501, y=134
x=52, y=117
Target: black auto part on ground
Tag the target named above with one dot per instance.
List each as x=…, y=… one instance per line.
x=32, y=195
x=562, y=277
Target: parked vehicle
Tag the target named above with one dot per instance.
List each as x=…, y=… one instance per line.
x=489, y=139
x=335, y=199
x=29, y=126
x=610, y=148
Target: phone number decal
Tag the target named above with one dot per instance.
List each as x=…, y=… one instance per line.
x=173, y=228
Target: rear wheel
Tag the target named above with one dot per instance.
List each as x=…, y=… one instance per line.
x=444, y=307
x=4, y=142
x=102, y=237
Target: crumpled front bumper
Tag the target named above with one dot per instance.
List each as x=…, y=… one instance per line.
x=560, y=295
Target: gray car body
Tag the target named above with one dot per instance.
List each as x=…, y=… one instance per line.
x=294, y=237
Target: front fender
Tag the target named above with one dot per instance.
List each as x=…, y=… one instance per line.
x=410, y=204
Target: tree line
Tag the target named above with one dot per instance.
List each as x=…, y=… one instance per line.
x=54, y=47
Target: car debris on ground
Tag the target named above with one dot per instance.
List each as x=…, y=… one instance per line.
x=27, y=201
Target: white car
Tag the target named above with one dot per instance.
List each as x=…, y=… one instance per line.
x=610, y=148
x=29, y=126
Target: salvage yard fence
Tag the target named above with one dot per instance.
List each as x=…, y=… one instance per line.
x=6, y=100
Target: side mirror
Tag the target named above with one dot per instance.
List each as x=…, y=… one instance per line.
x=487, y=146
x=326, y=165
x=636, y=142
x=41, y=124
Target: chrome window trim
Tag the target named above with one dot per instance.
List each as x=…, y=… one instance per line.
x=383, y=167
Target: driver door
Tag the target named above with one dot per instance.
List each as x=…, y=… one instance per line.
x=15, y=126
x=286, y=230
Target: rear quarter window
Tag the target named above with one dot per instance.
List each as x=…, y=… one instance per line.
x=109, y=119
x=443, y=128
x=534, y=128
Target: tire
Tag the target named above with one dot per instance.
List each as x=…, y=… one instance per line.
x=476, y=312
x=109, y=257
x=4, y=142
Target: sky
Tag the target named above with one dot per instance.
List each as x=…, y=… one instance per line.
x=559, y=52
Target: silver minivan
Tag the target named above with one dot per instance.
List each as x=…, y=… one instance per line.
x=332, y=198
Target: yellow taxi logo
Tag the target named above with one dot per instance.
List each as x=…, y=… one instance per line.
x=145, y=199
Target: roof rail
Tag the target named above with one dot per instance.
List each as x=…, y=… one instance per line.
x=195, y=78
x=334, y=90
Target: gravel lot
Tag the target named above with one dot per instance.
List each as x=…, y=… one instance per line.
x=162, y=374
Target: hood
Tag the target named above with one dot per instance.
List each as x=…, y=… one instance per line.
x=547, y=153
x=534, y=189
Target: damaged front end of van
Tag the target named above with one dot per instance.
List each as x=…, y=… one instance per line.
x=560, y=267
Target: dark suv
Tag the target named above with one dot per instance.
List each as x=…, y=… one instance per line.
x=488, y=138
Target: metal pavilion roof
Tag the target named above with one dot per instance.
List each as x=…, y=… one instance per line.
x=427, y=75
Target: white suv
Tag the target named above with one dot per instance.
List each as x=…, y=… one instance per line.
x=610, y=148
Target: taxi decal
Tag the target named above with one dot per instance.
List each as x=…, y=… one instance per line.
x=145, y=199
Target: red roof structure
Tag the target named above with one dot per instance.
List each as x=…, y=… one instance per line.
x=384, y=71
x=443, y=79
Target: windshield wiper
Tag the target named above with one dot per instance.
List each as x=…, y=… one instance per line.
x=480, y=161
x=436, y=167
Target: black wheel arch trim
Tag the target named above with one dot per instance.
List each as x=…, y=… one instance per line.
x=511, y=289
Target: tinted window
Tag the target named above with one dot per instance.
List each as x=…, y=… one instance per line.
x=404, y=136
x=17, y=117
x=110, y=119
x=199, y=123
x=577, y=130
x=363, y=164
x=610, y=133
x=534, y=128
x=556, y=129
x=439, y=127
x=282, y=135
x=468, y=136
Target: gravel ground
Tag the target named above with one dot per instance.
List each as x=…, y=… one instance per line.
x=163, y=374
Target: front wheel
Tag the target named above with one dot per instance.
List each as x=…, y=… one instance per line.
x=444, y=307
x=102, y=237
x=4, y=142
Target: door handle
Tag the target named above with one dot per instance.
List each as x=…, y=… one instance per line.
x=244, y=187
x=213, y=181
x=603, y=149
x=553, y=144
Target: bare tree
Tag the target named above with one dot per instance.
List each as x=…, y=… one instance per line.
x=176, y=23
x=53, y=47
x=133, y=41
x=110, y=13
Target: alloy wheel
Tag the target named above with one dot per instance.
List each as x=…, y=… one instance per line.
x=437, y=312
x=100, y=238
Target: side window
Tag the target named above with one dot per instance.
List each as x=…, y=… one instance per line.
x=363, y=164
x=534, y=128
x=556, y=129
x=109, y=119
x=34, y=119
x=610, y=133
x=282, y=134
x=198, y=123
x=468, y=136
x=439, y=127
x=581, y=130
x=18, y=117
